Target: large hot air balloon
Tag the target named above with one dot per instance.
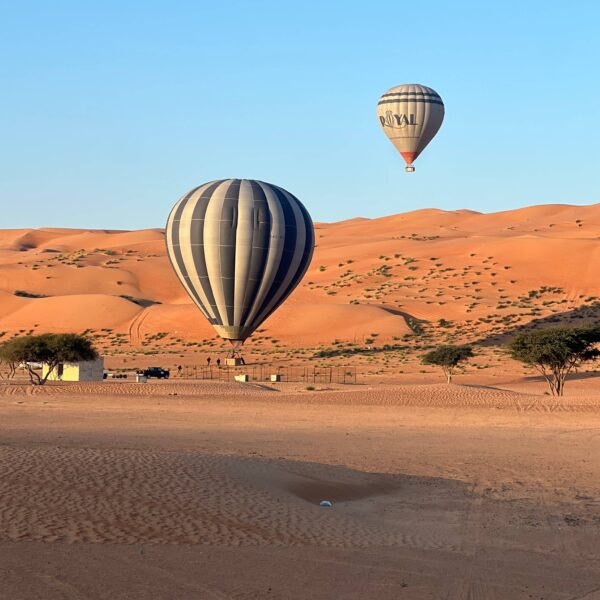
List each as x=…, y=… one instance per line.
x=239, y=247
x=410, y=115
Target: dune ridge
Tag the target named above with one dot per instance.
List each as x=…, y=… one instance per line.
x=426, y=264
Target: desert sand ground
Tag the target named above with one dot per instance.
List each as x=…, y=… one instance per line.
x=207, y=489
x=188, y=489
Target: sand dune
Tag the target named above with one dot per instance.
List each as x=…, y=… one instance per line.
x=477, y=270
x=71, y=313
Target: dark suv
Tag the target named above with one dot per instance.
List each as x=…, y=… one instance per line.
x=155, y=372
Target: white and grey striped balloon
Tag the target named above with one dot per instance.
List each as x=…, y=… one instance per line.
x=239, y=247
x=410, y=115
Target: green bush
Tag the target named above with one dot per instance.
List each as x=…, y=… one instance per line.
x=448, y=357
x=555, y=352
x=49, y=348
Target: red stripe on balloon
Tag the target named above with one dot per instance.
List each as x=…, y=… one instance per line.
x=409, y=157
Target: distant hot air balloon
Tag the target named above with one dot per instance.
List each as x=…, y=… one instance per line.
x=410, y=115
x=239, y=247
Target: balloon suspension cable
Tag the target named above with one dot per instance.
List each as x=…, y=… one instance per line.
x=236, y=348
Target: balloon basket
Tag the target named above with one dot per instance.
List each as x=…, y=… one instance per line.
x=409, y=169
x=234, y=361
x=235, y=357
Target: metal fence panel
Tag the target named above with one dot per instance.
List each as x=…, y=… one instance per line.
x=308, y=375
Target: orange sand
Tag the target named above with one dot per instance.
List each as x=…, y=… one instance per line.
x=186, y=489
x=366, y=275
x=210, y=490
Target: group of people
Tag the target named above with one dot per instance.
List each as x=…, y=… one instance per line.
x=208, y=361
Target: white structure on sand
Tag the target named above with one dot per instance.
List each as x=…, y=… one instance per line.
x=88, y=370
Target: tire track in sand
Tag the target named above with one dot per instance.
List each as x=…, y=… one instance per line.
x=135, y=331
x=466, y=586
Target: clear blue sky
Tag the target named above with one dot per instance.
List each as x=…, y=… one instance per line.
x=109, y=111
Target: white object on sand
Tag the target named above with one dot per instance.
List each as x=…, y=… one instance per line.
x=325, y=504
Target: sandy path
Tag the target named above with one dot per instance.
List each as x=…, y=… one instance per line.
x=129, y=491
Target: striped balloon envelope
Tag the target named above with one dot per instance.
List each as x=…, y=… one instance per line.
x=239, y=247
x=410, y=115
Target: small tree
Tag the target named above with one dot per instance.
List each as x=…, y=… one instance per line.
x=555, y=352
x=448, y=357
x=49, y=348
x=11, y=368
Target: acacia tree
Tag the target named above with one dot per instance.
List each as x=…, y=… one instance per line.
x=49, y=348
x=448, y=357
x=11, y=368
x=556, y=351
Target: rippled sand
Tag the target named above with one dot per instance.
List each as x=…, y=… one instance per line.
x=211, y=490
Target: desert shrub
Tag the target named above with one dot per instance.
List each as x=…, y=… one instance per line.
x=447, y=357
x=49, y=348
x=555, y=352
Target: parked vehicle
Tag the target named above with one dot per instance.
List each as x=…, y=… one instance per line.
x=156, y=372
x=31, y=365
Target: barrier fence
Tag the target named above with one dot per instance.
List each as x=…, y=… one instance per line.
x=266, y=372
x=257, y=373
